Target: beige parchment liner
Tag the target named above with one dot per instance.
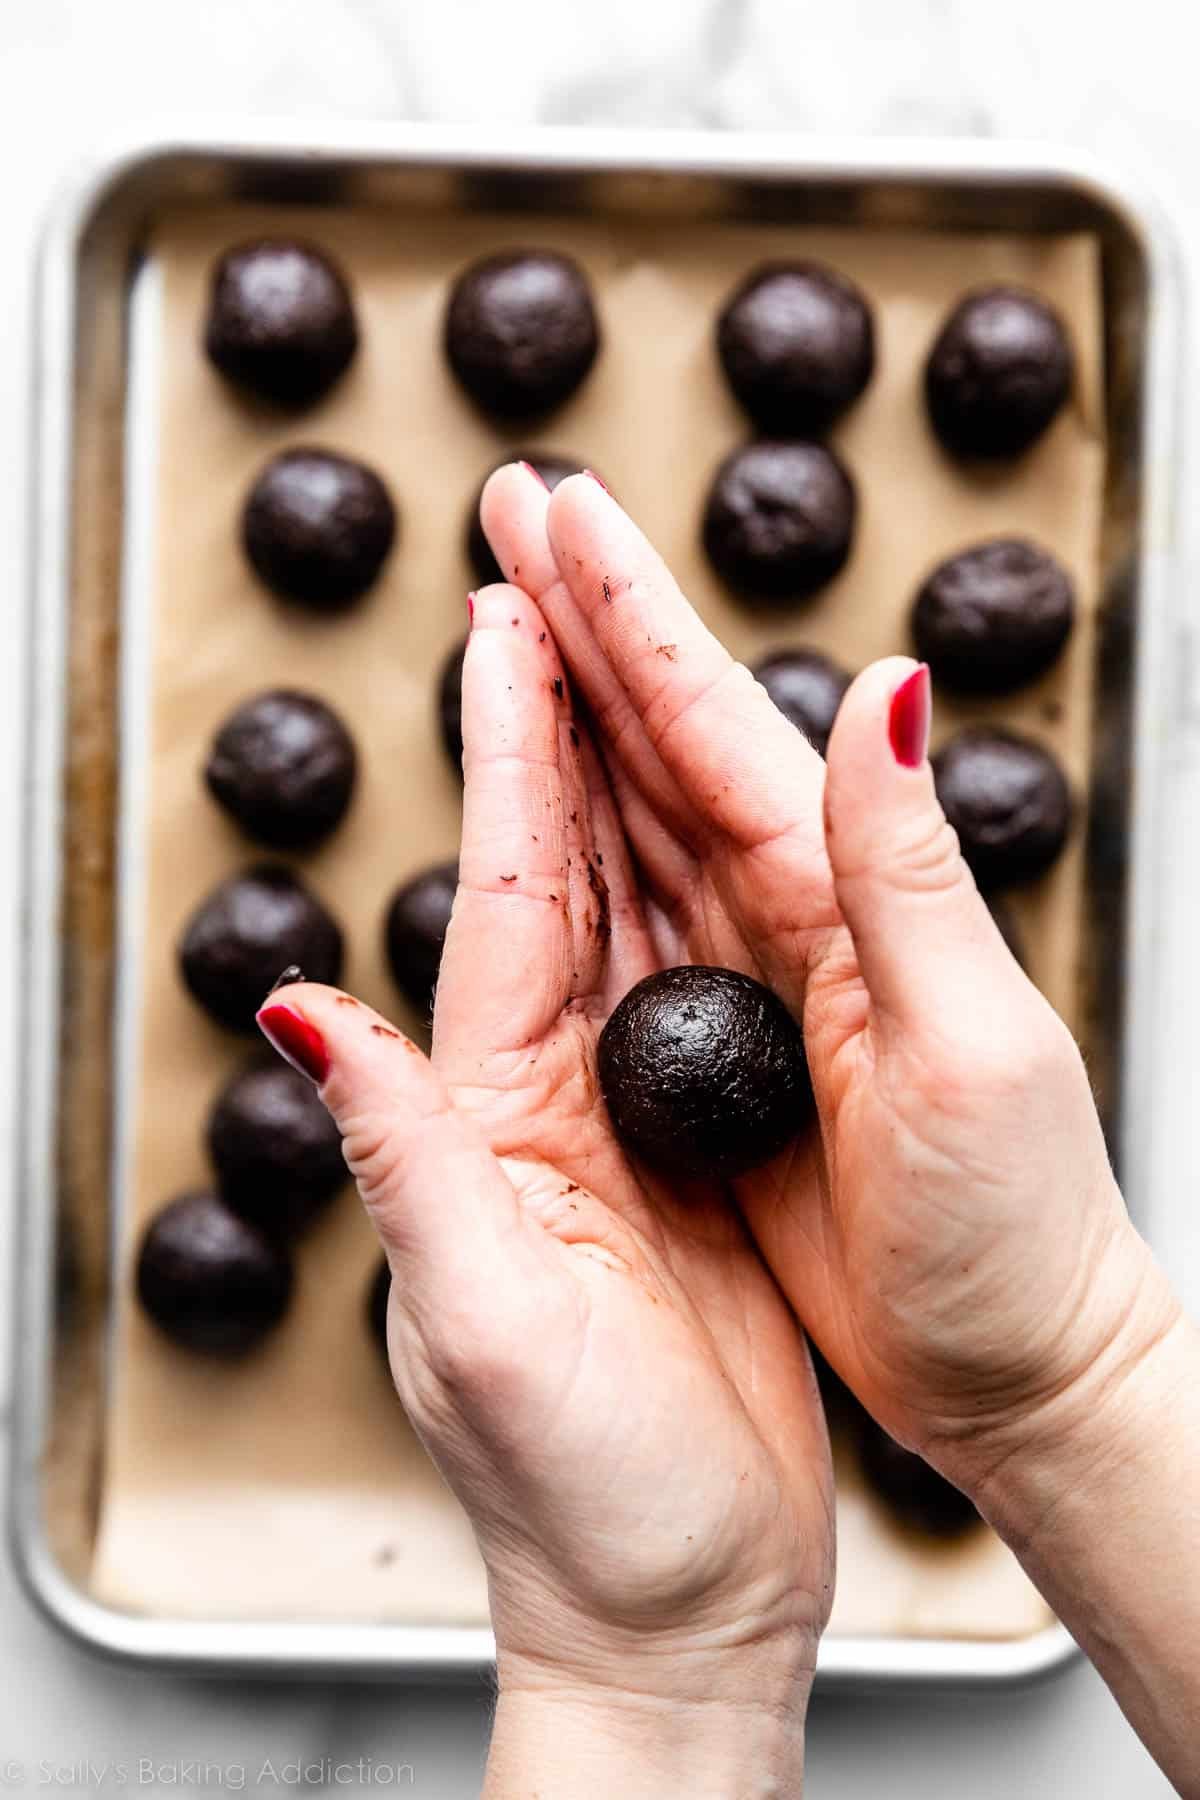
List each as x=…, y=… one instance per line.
x=291, y=1485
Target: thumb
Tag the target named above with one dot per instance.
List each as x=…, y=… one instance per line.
x=926, y=943
x=444, y=1209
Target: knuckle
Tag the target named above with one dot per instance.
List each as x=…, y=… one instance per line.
x=915, y=851
x=675, y=704
x=925, y=854
x=474, y=1363
x=1042, y=1053
x=1021, y=1058
x=379, y=1153
x=369, y=1149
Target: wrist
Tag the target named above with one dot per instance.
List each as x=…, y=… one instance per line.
x=732, y=1666
x=704, y=1693
x=1075, y=1438
x=1102, y=1516
x=558, y=1734
x=757, y=1645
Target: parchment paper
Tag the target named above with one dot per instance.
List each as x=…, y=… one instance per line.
x=291, y=1484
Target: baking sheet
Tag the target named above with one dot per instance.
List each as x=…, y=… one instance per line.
x=290, y=1485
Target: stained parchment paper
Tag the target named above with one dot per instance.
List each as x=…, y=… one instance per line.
x=291, y=1484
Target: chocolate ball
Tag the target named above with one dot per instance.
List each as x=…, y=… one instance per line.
x=779, y=519
x=807, y=688
x=246, y=933
x=280, y=321
x=415, y=931
x=521, y=331
x=993, y=617
x=1008, y=800
x=209, y=1279
x=276, y=1151
x=797, y=345
x=552, y=470
x=703, y=1072
x=918, y=1496
x=283, y=766
x=450, y=704
x=318, y=528
x=378, y=1294
x=998, y=373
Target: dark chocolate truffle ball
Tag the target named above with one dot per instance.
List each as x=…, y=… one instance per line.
x=283, y=765
x=993, y=617
x=798, y=347
x=415, y=931
x=280, y=321
x=1008, y=800
x=277, y=1152
x=779, y=519
x=377, y=1305
x=246, y=933
x=703, y=1072
x=521, y=331
x=807, y=688
x=450, y=704
x=552, y=470
x=211, y=1280
x=318, y=528
x=918, y=1496
x=998, y=373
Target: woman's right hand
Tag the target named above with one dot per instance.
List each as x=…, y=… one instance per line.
x=956, y=1243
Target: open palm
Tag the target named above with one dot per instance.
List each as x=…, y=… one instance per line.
x=672, y=1348
x=596, y=1362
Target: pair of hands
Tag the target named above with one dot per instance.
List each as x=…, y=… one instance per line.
x=614, y=1380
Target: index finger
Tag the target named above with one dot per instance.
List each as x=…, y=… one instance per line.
x=745, y=769
x=514, y=506
x=507, y=965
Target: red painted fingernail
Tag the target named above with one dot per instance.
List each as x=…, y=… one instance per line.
x=592, y=476
x=530, y=470
x=471, y=606
x=298, y=1042
x=908, y=719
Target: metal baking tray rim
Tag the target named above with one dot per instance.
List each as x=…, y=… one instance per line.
x=435, y=1653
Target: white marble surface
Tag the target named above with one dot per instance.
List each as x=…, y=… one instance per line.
x=1093, y=77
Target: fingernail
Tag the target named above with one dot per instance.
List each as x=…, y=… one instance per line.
x=471, y=607
x=298, y=1042
x=592, y=476
x=908, y=719
x=530, y=470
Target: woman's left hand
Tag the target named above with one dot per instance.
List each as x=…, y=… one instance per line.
x=602, y=1368
x=951, y=1233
